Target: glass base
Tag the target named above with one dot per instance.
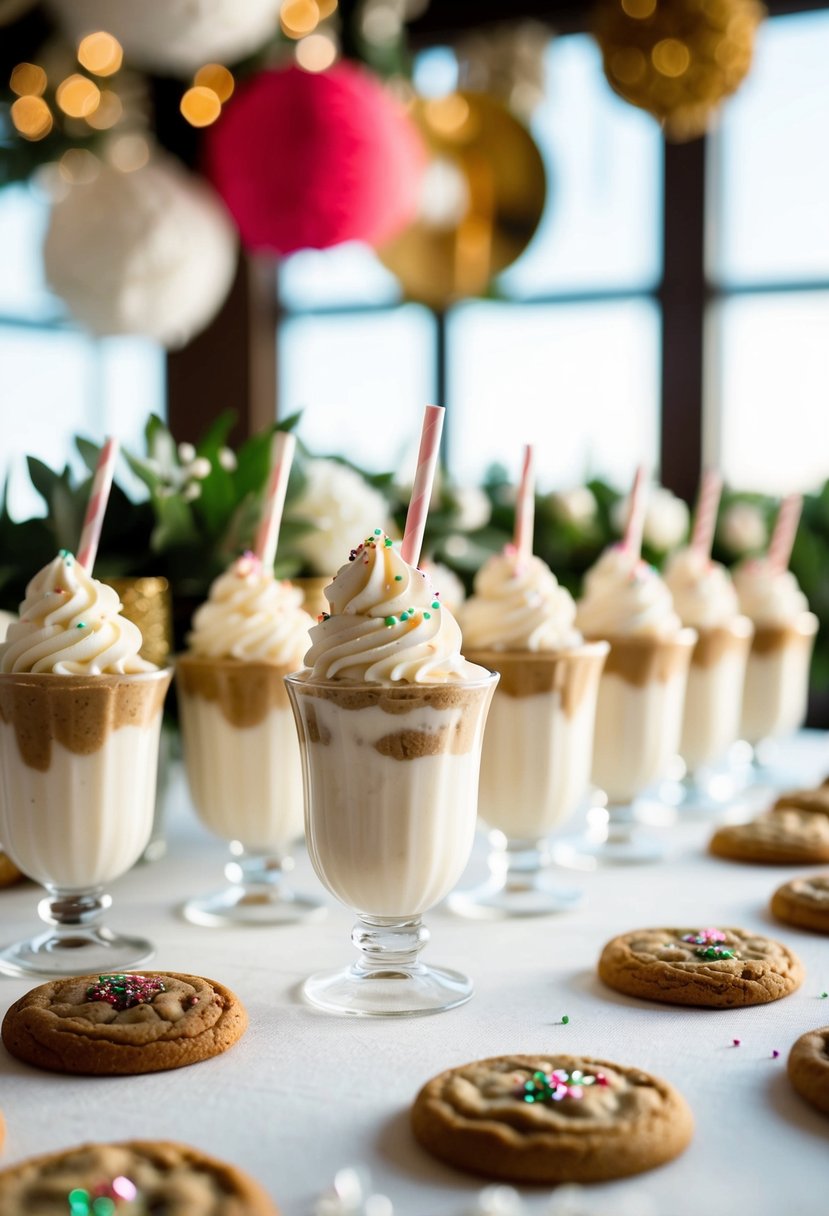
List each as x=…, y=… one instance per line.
x=614, y=837
x=251, y=906
x=387, y=992
x=82, y=951
x=496, y=898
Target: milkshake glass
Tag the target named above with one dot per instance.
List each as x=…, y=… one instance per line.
x=705, y=599
x=640, y=702
x=80, y=717
x=240, y=746
x=538, y=744
x=777, y=676
x=390, y=720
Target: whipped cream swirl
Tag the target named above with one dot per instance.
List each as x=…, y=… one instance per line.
x=518, y=605
x=386, y=625
x=250, y=615
x=702, y=590
x=70, y=624
x=625, y=597
x=767, y=595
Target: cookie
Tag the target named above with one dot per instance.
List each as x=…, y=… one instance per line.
x=550, y=1119
x=717, y=968
x=145, y=1176
x=785, y=837
x=109, y=1025
x=803, y=902
x=808, y=1068
x=814, y=800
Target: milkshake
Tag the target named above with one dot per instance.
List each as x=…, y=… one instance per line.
x=80, y=716
x=642, y=688
x=777, y=675
x=240, y=746
x=390, y=719
x=705, y=599
x=538, y=745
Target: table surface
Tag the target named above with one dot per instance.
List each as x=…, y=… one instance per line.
x=305, y=1093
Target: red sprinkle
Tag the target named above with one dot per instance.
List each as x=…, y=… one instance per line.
x=736, y=1042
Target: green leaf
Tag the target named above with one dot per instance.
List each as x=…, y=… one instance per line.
x=43, y=478
x=89, y=452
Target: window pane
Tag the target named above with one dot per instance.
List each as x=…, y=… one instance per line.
x=350, y=274
x=601, y=227
x=773, y=219
x=582, y=382
x=23, y=291
x=771, y=393
x=362, y=381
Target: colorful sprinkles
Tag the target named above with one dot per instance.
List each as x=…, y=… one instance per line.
x=558, y=1084
x=103, y=1200
x=709, y=944
x=124, y=991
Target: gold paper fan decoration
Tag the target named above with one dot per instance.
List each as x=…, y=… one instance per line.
x=482, y=198
x=678, y=59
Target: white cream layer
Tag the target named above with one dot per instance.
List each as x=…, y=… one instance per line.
x=775, y=691
x=388, y=837
x=637, y=733
x=535, y=765
x=245, y=782
x=85, y=820
x=711, y=721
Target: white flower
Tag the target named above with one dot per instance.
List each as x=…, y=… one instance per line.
x=576, y=506
x=743, y=528
x=199, y=468
x=344, y=509
x=191, y=492
x=473, y=508
x=186, y=453
x=456, y=546
x=666, y=519
x=227, y=459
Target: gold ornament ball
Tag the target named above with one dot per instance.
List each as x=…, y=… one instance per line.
x=677, y=59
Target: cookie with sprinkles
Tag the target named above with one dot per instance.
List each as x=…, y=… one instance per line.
x=808, y=1068
x=804, y=903
x=136, y=1178
x=550, y=1119
x=717, y=967
x=120, y=1024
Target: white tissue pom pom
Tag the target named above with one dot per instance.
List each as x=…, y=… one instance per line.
x=344, y=509
x=175, y=35
x=743, y=528
x=473, y=508
x=151, y=252
x=577, y=506
x=666, y=519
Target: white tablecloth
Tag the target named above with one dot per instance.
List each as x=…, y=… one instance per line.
x=304, y=1093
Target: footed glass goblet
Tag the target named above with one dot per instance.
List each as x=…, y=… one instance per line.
x=78, y=767
x=390, y=777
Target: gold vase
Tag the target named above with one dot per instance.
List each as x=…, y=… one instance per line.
x=147, y=602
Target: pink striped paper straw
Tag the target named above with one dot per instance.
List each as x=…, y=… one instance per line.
x=525, y=508
x=635, y=528
x=267, y=536
x=96, y=508
x=785, y=530
x=705, y=518
x=427, y=459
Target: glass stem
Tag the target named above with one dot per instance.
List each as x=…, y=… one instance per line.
x=258, y=871
x=386, y=944
x=69, y=911
x=620, y=822
x=517, y=864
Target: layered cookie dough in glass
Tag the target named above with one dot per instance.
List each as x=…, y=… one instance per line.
x=777, y=675
x=240, y=746
x=390, y=719
x=80, y=717
x=640, y=702
x=705, y=599
x=538, y=745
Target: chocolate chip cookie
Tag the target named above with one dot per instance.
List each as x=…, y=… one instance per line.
x=142, y=1021
x=142, y=1176
x=550, y=1119
x=808, y=1068
x=784, y=837
x=717, y=968
x=803, y=902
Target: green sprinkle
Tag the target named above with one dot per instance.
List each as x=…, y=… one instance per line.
x=435, y=604
x=378, y=532
x=404, y=616
x=388, y=542
x=398, y=578
x=81, y=625
x=565, y=1021
x=391, y=620
x=103, y=1206
x=427, y=616
x=823, y=995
